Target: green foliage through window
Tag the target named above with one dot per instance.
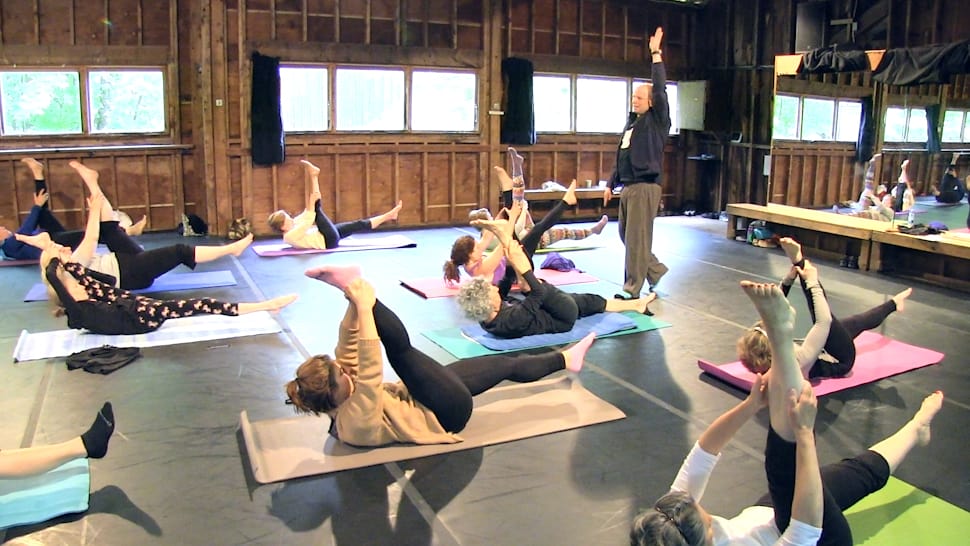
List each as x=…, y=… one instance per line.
x=40, y=103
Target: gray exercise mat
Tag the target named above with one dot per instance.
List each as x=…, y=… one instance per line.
x=169, y=282
x=294, y=447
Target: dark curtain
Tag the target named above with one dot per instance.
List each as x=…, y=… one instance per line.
x=836, y=58
x=265, y=117
x=928, y=64
x=933, y=134
x=518, y=123
x=867, y=132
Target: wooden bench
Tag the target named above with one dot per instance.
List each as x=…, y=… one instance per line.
x=939, y=259
x=589, y=206
x=809, y=226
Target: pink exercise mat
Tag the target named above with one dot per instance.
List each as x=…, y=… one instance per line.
x=877, y=357
x=436, y=287
x=349, y=244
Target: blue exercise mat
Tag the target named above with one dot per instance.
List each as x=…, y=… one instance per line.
x=471, y=341
x=169, y=282
x=63, y=490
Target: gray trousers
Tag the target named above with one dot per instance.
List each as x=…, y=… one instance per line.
x=639, y=204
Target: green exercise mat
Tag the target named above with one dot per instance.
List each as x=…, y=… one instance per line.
x=902, y=514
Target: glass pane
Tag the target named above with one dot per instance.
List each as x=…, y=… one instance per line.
x=817, y=117
x=785, y=121
x=370, y=99
x=674, y=108
x=895, y=124
x=847, y=121
x=966, y=129
x=918, y=131
x=953, y=126
x=129, y=101
x=304, y=98
x=40, y=103
x=551, y=97
x=443, y=101
x=601, y=105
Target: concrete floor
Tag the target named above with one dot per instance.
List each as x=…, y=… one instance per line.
x=176, y=471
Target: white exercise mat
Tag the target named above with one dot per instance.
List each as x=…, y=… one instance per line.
x=293, y=447
x=173, y=332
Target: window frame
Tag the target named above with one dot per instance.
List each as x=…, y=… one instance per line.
x=906, y=141
x=84, y=95
x=834, y=124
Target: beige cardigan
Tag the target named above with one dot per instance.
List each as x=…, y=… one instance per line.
x=379, y=413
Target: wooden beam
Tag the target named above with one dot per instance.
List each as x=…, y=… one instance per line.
x=60, y=55
x=368, y=54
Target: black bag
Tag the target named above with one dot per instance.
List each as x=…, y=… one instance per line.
x=104, y=359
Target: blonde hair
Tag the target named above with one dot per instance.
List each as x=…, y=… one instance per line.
x=46, y=256
x=754, y=350
x=314, y=387
x=276, y=220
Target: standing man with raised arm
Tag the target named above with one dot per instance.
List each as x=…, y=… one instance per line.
x=639, y=169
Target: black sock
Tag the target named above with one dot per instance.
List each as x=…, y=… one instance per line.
x=96, y=438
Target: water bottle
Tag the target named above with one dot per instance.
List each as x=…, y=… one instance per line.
x=911, y=217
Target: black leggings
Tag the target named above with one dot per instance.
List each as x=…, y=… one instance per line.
x=140, y=270
x=332, y=234
x=531, y=240
x=840, y=343
x=448, y=390
x=110, y=234
x=843, y=484
x=565, y=307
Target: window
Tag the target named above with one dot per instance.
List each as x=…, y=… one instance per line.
x=905, y=125
x=443, y=101
x=48, y=102
x=785, y=124
x=815, y=119
x=953, y=123
x=129, y=101
x=601, y=105
x=369, y=99
x=304, y=98
x=553, y=104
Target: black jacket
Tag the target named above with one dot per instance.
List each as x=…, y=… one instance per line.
x=650, y=133
x=527, y=317
x=99, y=317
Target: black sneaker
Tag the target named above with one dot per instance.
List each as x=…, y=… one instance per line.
x=844, y=262
x=853, y=262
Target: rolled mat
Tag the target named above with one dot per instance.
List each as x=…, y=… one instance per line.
x=174, y=332
x=877, y=357
x=462, y=344
x=292, y=447
x=346, y=245
x=169, y=282
x=437, y=287
x=902, y=514
x=63, y=490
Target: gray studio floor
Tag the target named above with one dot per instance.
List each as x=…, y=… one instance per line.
x=176, y=471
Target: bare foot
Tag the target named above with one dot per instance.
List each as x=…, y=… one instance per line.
x=339, y=276
x=924, y=416
x=575, y=356
x=598, y=228
x=773, y=308
x=392, y=214
x=274, y=305
x=644, y=302
x=501, y=228
x=310, y=168
x=900, y=299
x=138, y=227
x=792, y=249
x=89, y=175
x=42, y=240
x=570, y=196
x=241, y=245
x=36, y=168
x=505, y=181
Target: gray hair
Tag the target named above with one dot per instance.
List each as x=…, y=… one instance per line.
x=473, y=299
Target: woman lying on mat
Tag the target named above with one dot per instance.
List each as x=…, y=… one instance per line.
x=31, y=461
x=804, y=505
x=471, y=256
x=312, y=228
x=545, y=309
x=829, y=348
x=431, y=404
x=91, y=301
x=41, y=220
x=132, y=267
x=513, y=191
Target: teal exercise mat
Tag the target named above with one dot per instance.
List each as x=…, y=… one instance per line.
x=63, y=490
x=902, y=514
x=460, y=345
